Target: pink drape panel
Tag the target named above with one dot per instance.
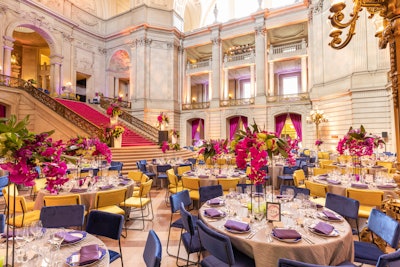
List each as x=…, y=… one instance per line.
x=2, y=111
x=244, y=120
x=233, y=124
x=296, y=120
x=280, y=123
x=195, y=125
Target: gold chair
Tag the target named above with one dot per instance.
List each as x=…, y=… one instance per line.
x=368, y=199
x=113, y=173
x=174, y=186
x=138, y=177
x=109, y=201
x=228, y=183
x=299, y=178
x=141, y=202
x=387, y=165
x=28, y=204
x=62, y=200
x=221, y=161
x=192, y=184
x=324, y=162
x=20, y=216
x=317, y=192
x=319, y=171
x=182, y=169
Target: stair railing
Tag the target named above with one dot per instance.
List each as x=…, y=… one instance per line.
x=137, y=125
x=47, y=100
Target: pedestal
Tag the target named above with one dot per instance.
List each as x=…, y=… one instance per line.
x=117, y=141
x=162, y=136
x=163, y=127
x=113, y=120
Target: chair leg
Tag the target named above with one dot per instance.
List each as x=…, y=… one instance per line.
x=149, y=208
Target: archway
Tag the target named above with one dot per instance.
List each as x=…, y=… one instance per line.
x=195, y=131
x=119, y=67
x=289, y=125
x=235, y=124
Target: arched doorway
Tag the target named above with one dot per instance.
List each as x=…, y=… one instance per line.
x=196, y=131
x=289, y=125
x=235, y=124
x=119, y=70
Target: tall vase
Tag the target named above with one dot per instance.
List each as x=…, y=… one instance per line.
x=163, y=126
x=10, y=232
x=114, y=120
x=118, y=141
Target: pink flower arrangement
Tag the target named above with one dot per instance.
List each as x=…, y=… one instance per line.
x=358, y=143
x=213, y=148
x=254, y=146
x=88, y=147
x=318, y=142
x=114, y=110
x=162, y=118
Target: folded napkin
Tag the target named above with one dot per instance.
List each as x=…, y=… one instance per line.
x=330, y=215
x=203, y=176
x=360, y=186
x=235, y=175
x=323, y=228
x=212, y=212
x=88, y=254
x=214, y=201
x=78, y=190
x=286, y=233
x=221, y=176
x=322, y=177
x=331, y=181
x=105, y=187
x=68, y=238
x=377, y=166
x=386, y=186
x=123, y=182
x=237, y=226
x=190, y=173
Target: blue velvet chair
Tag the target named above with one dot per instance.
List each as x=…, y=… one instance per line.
x=152, y=250
x=220, y=248
x=117, y=166
x=383, y=226
x=267, y=177
x=3, y=183
x=346, y=207
x=162, y=173
x=2, y=222
x=107, y=225
x=189, y=237
x=297, y=190
x=287, y=175
x=390, y=259
x=242, y=188
x=175, y=201
x=142, y=167
x=63, y=216
x=210, y=192
x=293, y=263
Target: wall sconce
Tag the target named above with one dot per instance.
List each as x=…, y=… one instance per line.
x=317, y=117
x=230, y=96
x=194, y=100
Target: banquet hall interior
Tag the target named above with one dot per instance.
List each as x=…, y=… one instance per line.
x=158, y=80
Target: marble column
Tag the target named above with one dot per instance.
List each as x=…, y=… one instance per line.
x=7, y=48
x=271, y=79
x=304, y=75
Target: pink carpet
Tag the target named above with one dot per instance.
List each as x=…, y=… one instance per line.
x=129, y=137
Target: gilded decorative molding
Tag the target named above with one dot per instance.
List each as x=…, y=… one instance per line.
x=141, y=42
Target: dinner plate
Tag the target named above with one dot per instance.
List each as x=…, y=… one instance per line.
x=325, y=218
x=80, y=234
x=222, y=215
x=285, y=240
x=73, y=260
x=334, y=232
x=237, y=232
x=221, y=203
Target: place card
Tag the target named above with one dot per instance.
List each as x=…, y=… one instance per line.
x=273, y=211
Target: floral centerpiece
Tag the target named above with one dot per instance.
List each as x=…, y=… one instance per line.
x=172, y=143
x=118, y=131
x=83, y=147
x=254, y=146
x=213, y=148
x=114, y=110
x=357, y=143
x=162, y=120
x=318, y=142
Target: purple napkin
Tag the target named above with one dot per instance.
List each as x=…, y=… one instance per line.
x=377, y=166
x=330, y=215
x=331, y=181
x=237, y=226
x=360, y=186
x=221, y=176
x=386, y=186
x=212, y=212
x=323, y=228
x=106, y=187
x=190, y=173
x=123, y=182
x=88, y=254
x=286, y=233
x=322, y=177
x=68, y=238
x=235, y=175
x=203, y=176
x=78, y=190
x=214, y=201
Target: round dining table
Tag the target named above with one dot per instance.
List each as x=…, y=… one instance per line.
x=87, y=195
x=42, y=246
x=258, y=243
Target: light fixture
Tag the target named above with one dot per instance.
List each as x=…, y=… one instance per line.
x=317, y=117
x=387, y=24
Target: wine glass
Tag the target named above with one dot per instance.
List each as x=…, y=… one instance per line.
x=37, y=229
x=56, y=238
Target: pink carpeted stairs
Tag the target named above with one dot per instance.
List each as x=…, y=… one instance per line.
x=129, y=137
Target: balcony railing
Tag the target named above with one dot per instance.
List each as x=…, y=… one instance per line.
x=199, y=66
x=288, y=50
x=121, y=103
x=240, y=59
x=198, y=105
x=289, y=98
x=236, y=102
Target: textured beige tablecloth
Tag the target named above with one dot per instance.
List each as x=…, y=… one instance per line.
x=325, y=251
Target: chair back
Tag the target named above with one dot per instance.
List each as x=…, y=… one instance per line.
x=242, y=188
x=299, y=177
x=191, y=183
x=163, y=168
x=293, y=263
x=62, y=200
x=2, y=222
x=385, y=227
x=3, y=183
x=386, y=164
x=210, y=192
x=366, y=197
x=141, y=167
x=182, y=169
x=228, y=183
x=135, y=176
x=319, y=171
x=344, y=206
x=289, y=169
x=178, y=198
x=109, y=198
x=172, y=178
x=62, y=216
x=17, y=202
x=145, y=188
x=152, y=250
x=187, y=220
x=316, y=189
x=297, y=190
x=389, y=260
x=13, y=190
x=105, y=224
x=217, y=244
x=192, y=160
